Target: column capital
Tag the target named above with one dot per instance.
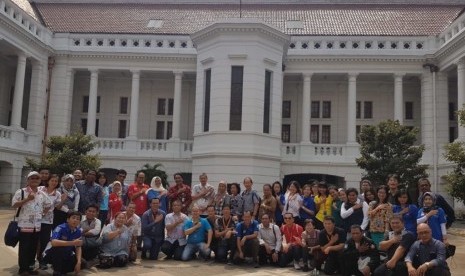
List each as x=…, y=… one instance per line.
x=135, y=72
x=460, y=63
x=307, y=75
x=21, y=56
x=399, y=75
x=93, y=71
x=178, y=73
x=352, y=76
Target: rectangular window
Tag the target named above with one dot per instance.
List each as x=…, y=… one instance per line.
x=98, y=104
x=206, y=110
x=368, y=110
x=160, y=130
x=235, y=113
x=96, y=127
x=85, y=104
x=286, y=109
x=326, y=109
x=358, y=129
x=122, y=127
x=161, y=107
x=315, y=109
x=123, y=105
x=170, y=106
x=169, y=130
x=267, y=102
x=326, y=134
x=286, y=133
x=84, y=126
x=358, y=109
x=408, y=110
x=452, y=134
x=452, y=112
x=315, y=134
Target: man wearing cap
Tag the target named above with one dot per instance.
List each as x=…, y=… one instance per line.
x=33, y=204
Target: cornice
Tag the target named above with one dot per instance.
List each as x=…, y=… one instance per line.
x=336, y=59
x=75, y=55
x=452, y=46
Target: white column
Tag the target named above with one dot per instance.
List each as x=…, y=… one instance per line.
x=68, y=105
x=38, y=97
x=92, y=111
x=351, y=109
x=461, y=94
x=133, y=119
x=398, y=98
x=306, y=105
x=177, y=105
x=19, y=92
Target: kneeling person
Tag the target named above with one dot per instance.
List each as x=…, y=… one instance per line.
x=246, y=239
x=195, y=228
x=65, y=253
x=360, y=254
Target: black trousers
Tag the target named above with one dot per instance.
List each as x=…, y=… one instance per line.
x=172, y=250
x=294, y=253
x=223, y=246
x=265, y=258
x=59, y=217
x=44, y=238
x=28, y=243
x=332, y=262
x=399, y=270
x=62, y=259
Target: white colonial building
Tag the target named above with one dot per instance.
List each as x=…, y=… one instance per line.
x=263, y=89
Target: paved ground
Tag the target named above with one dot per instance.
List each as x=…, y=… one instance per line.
x=8, y=262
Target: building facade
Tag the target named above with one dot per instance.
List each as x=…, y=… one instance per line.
x=256, y=89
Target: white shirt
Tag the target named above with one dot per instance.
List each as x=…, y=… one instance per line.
x=30, y=216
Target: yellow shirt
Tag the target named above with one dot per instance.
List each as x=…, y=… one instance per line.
x=325, y=209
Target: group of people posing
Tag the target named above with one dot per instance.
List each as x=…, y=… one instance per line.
x=79, y=220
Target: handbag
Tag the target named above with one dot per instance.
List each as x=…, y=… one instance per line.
x=11, y=237
x=450, y=250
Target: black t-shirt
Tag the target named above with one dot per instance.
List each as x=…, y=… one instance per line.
x=406, y=241
x=324, y=237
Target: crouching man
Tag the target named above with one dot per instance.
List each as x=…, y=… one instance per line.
x=360, y=255
x=65, y=253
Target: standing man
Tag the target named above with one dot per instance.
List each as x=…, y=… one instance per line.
x=33, y=204
x=77, y=175
x=270, y=240
x=365, y=185
x=427, y=256
x=203, y=194
x=44, y=176
x=175, y=240
x=332, y=240
x=247, y=239
x=396, y=244
x=425, y=186
x=153, y=228
x=89, y=191
x=195, y=230
x=181, y=192
x=250, y=198
x=393, y=184
x=137, y=194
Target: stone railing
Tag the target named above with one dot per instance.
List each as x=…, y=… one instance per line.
x=19, y=140
x=319, y=152
x=457, y=27
x=143, y=148
x=25, y=21
x=143, y=43
x=304, y=45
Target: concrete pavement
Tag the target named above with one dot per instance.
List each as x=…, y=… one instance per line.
x=9, y=260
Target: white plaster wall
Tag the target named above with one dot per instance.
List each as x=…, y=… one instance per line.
x=7, y=81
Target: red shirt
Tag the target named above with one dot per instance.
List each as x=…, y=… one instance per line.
x=184, y=196
x=116, y=205
x=290, y=233
x=141, y=200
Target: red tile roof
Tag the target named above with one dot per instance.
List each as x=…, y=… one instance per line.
x=377, y=20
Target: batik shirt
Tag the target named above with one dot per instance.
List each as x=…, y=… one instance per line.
x=30, y=216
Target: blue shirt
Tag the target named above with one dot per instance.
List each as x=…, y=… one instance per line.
x=409, y=218
x=105, y=198
x=198, y=235
x=434, y=252
x=435, y=222
x=64, y=233
x=90, y=193
x=308, y=203
x=279, y=214
x=242, y=230
x=153, y=229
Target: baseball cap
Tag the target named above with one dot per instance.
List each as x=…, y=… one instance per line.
x=32, y=174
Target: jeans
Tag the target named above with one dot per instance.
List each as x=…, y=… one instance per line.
x=153, y=245
x=192, y=248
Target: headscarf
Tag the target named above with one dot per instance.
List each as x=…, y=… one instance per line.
x=433, y=197
x=154, y=186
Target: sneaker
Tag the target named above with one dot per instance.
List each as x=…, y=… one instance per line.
x=296, y=265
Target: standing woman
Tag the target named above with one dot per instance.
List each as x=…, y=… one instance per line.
x=69, y=199
x=354, y=211
x=116, y=200
x=236, y=202
x=379, y=212
x=324, y=203
x=308, y=210
x=434, y=216
x=336, y=206
x=268, y=204
x=407, y=210
x=293, y=201
x=278, y=193
x=221, y=198
x=158, y=191
x=50, y=189
x=369, y=196
x=103, y=210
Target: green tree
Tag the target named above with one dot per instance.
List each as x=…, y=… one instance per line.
x=67, y=153
x=155, y=170
x=455, y=153
x=389, y=148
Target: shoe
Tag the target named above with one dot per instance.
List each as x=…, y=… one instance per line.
x=296, y=265
x=256, y=265
x=143, y=256
x=305, y=268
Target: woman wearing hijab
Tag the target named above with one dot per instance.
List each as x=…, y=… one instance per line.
x=158, y=191
x=434, y=216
